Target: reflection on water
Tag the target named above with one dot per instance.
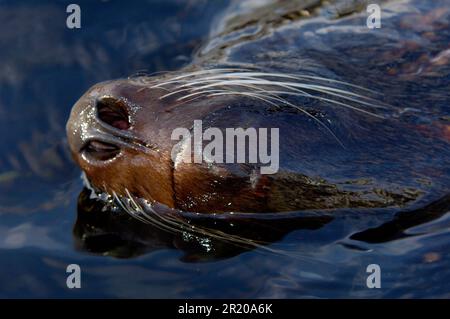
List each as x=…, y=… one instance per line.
x=47, y=224
x=120, y=235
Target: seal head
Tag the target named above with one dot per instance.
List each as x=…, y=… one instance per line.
x=342, y=144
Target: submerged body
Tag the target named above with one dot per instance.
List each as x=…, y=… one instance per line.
x=360, y=126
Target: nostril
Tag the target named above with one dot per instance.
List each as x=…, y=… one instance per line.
x=113, y=112
x=101, y=150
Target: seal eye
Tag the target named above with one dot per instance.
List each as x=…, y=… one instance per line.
x=113, y=112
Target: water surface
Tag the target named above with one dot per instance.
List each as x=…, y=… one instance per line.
x=46, y=67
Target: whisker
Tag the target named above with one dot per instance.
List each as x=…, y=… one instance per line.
x=253, y=87
x=312, y=77
x=181, y=225
x=331, y=101
x=134, y=212
x=263, y=98
x=291, y=86
x=178, y=222
x=302, y=93
x=280, y=75
x=126, y=209
x=198, y=93
x=229, y=83
x=191, y=74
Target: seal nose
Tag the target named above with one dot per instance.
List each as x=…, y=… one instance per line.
x=114, y=112
x=96, y=126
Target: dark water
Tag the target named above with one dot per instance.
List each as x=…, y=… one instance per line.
x=45, y=67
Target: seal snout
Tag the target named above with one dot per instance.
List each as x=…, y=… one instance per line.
x=99, y=126
x=102, y=144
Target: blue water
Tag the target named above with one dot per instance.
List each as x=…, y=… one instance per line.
x=45, y=67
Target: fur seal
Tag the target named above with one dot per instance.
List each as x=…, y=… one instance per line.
x=360, y=114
